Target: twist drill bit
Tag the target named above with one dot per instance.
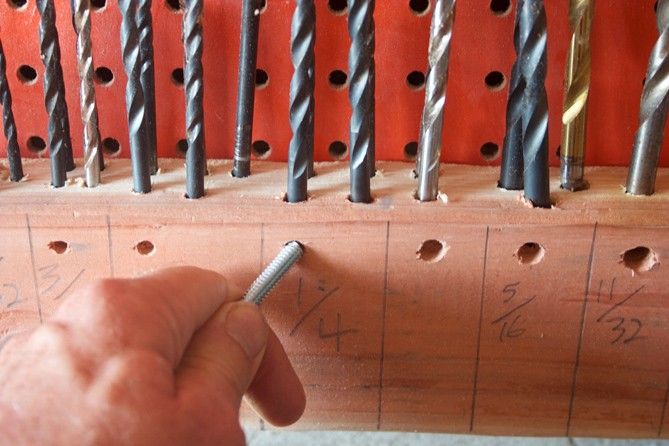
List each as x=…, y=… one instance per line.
x=147, y=78
x=8, y=123
x=653, y=114
x=287, y=257
x=194, y=89
x=53, y=96
x=134, y=98
x=372, y=84
x=65, y=125
x=303, y=35
x=577, y=85
x=432, y=123
x=248, y=50
x=360, y=95
x=81, y=11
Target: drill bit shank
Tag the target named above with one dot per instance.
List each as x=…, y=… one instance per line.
x=8, y=123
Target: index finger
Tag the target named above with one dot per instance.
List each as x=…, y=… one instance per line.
x=159, y=311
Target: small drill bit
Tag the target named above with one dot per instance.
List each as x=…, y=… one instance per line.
x=248, y=50
x=65, y=125
x=147, y=78
x=653, y=114
x=303, y=35
x=9, y=125
x=432, y=123
x=360, y=95
x=372, y=112
x=577, y=86
x=134, y=98
x=81, y=11
x=53, y=96
x=194, y=89
x=287, y=257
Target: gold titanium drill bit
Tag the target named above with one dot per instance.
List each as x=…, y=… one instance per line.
x=8, y=123
x=653, y=114
x=81, y=11
x=577, y=87
x=432, y=123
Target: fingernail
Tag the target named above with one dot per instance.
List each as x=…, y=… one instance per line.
x=246, y=325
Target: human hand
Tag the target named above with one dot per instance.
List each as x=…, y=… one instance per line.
x=161, y=359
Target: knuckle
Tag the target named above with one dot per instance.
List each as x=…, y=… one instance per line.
x=52, y=336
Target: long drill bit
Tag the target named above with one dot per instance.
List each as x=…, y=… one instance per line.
x=577, y=86
x=511, y=174
x=65, y=125
x=372, y=111
x=432, y=123
x=8, y=123
x=53, y=97
x=194, y=89
x=248, y=50
x=81, y=11
x=147, y=78
x=360, y=95
x=300, y=151
x=535, y=114
x=134, y=98
x=653, y=114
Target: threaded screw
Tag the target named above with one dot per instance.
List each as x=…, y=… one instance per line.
x=287, y=257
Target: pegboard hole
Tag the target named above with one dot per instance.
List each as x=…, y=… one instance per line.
x=432, y=251
x=489, y=151
x=111, y=147
x=103, y=76
x=419, y=7
x=59, y=246
x=177, y=77
x=338, y=7
x=98, y=5
x=416, y=80
x=17, y=4
x=411, y=150
x=530, y=253
x=36, y=144
x=500, y=7
x=182, y=147
x=639, y=259
x=495, y=80
x=145, y=248
x=174, y=5
x=338, y=79
x=262, y=79
x=261, y=149
x=337, y=150
x=27, y=74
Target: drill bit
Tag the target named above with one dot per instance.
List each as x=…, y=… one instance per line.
x=65, y=125
x=8, y=123
x=134, y=98
x=303, y=35
x=535, y=114
x=81, y=11
x=360, y=95
x=53, y=96
x=372, y=113
x=432, y=123
x=248, y=50
x=287, y=257
x=147, y=78
x=194, y=89
x=577, y=86
x=653, y=114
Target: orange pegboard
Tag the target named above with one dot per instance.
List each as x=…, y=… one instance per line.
x=624, y=32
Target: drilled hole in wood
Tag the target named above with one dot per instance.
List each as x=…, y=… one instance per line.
x=419, y=7
x=338, y=7
x=432, y=251
x=261, y=149
x=17, y=4
x=103, y=76
x=27, y=74
x=410, y=150
x=36, y=144
x=639, y=259
x=98, y=5
x=489, y=151
x=263, y=6
x=58, y=246
x=337, y=79
x=337, y=150
x=177, y=77
x=262, y=79
x=416, y=80
x=145, y=248
x=182, y=147
x=174, y=5
x=495, y=81
x=530, y=253
x=500, y=7
x=111, y=147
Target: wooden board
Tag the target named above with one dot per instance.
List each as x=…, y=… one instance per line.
x=460, y=338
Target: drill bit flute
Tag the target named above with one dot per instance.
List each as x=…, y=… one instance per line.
x=300, y=151
x=81, y=11
x=194, y=88
x=360, y=95
x=372, y=112
x=8, y=123
x=653, y=114
x=246, y=87
x=577, y=85
x=147, y=78
x=429, y=142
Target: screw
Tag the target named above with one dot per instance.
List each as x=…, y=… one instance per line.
x=289, y=254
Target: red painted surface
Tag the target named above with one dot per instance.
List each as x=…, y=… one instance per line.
x=624, y=32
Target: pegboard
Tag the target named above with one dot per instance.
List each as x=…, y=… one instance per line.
x=623, y=34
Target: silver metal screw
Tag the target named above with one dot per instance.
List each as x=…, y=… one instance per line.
x=289, y=254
